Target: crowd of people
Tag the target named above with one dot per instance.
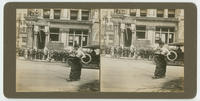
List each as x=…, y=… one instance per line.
x=51, y=55
x=44, y=54
x=132, y=52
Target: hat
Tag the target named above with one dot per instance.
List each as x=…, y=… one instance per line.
x=76, y=45
x=160, y=42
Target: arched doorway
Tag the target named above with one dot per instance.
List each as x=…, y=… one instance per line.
x=41, y=39
x=127, y=37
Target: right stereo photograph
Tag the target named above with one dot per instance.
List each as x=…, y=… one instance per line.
x=142, y=50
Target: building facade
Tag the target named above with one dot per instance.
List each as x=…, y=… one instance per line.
x=61, y=28
x=21, y=28
x=141, y=28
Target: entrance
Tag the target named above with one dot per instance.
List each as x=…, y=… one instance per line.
x=127, y=37
x=41, y=39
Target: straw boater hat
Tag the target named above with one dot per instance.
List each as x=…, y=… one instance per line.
x=76, y=45
x=160, y=42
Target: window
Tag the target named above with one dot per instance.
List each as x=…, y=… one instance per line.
x=166, y=34
x=171, y=13
x=133, y=12
x=160, y=12
x=143, y=12
x=46, y=13
x=140, y=32
x=56, y=14
x=85, y=15
x=120, y=11
x=54, y=34
x=74, y=14
x=80, y=36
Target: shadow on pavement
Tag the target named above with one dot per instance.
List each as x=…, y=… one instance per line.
x=176, y=85
x=93, y=86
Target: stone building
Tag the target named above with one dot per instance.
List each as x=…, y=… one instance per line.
x=141, y=28
x=21, y=32
x=61, y=28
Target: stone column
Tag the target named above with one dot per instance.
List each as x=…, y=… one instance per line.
x=35, y=40
x=176, y=34
x=122, y=34
x=89, y=38
x=165, y=13
x=36, y=30
x=30, y=36
x=67, y=38
x=133, y=29
x=116, y=37
x=138, y=13
x=79, y=14
x=68, y=14
x=51, y=14
x=47, y=35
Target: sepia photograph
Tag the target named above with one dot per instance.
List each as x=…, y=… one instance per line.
x=142, y=50
x=99, y=50
x=57, y=50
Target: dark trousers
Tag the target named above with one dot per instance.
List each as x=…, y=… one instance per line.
x=160, y=66
x=76, y=66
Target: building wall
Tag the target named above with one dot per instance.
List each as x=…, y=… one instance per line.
x=38, y=23
x=105, y=26
x=21, y=32
x=120, y=20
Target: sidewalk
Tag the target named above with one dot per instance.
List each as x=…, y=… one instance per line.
x=34, y=76
x=118, y=75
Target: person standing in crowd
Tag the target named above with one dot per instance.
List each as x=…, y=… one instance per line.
x=37, y=54
x=75, y=62
x=112, y=52
x=132, y=50
x=30, y=54
x=50, y=55
x=33, y=54
x=26, y=53
x=160, y=61
x=93, y=55
x=45, y=53
x=120, y=52
x=115, y=52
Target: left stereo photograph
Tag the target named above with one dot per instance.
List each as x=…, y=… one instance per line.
x=57, y=50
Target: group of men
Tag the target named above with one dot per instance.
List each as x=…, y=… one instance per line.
x=117, y=52
x=44, y=54
x=120, y=51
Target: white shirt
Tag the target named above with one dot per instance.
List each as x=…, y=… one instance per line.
x=80, y=53
x=162, y=50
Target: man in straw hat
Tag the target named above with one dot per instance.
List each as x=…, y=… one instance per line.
x=75, y=63
x=160, y=61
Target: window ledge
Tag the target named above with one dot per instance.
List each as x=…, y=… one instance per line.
x=55, y=41
x=142, y=39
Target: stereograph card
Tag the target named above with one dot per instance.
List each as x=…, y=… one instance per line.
x=100, y=50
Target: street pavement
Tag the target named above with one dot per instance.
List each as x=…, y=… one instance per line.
x=126, y=75
x=117, y=75
x=37, y=76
